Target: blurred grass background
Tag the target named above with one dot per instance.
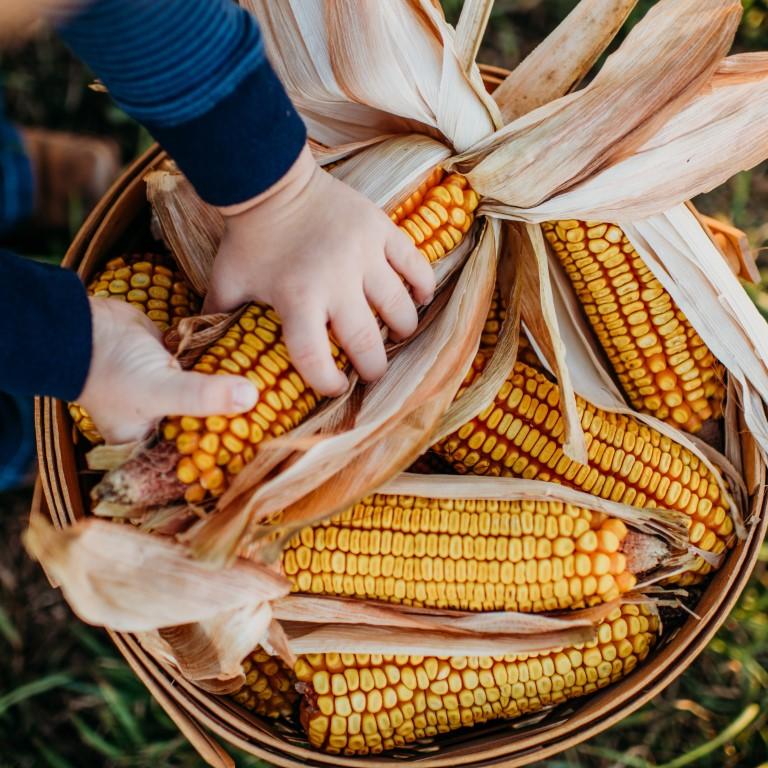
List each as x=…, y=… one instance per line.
x=66, y=698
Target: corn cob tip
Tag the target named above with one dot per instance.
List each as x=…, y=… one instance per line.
x=644, y=553
x=147, y=480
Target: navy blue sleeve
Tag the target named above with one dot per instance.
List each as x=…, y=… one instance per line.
x=195, y=74
x=45, y=348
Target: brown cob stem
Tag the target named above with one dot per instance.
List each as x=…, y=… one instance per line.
x=364, y=704
x=520, y=435
x=150, y=475
x=472, y=555
x=212, y=451
x=661, y=362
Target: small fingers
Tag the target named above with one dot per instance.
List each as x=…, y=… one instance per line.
x=306, y=336
x=359, y=335
x=412, y=265
x=199, y=394
x=389, y=296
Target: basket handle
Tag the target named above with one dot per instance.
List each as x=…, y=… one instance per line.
x=205, y=745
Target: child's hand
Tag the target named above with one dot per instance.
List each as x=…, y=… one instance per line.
x=133, y=380
x=321, y=253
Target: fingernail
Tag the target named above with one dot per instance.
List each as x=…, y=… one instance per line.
x=245, y=396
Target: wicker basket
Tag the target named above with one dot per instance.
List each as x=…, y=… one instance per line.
x=120, y=223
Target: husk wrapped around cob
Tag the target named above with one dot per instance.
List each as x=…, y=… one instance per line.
x=359, y=704
x=647, y=143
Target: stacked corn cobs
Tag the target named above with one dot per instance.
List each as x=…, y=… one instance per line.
x=465, y=554
x=479, y=555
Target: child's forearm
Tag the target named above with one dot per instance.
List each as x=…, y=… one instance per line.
x=195, y=74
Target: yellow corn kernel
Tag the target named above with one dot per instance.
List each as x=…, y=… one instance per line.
x=438, y=214
x=471, y=555
x=659, y=359
x=270, y=686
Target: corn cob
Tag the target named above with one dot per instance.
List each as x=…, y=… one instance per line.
x=472, y=555
x=490, y=336
x=270, y=686
x=661, y=362
x=150, y=283
x=519, y=435
x=438, y=214
x=213, y=450
x=362, y=704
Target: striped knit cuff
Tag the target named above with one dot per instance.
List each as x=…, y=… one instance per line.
x=242, y=146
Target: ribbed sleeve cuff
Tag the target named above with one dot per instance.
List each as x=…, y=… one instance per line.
x=46, y=342
x=242, y=146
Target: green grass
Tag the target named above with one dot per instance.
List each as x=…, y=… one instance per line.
x=67, y=700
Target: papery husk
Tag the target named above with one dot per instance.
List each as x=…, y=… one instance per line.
x=563, y=58
x=691, y=269
x=359, y=69
x=191, y=228
x=193, y=335
x=733, y=244
x=666, y=524
x=210, y=653
x=114, y=575
x=392, y=427
x=661, y=66
x=102, y=458
x=314, y=624
x=722, y=131
x=389, y=172
x=470, y=30
x=483, y=390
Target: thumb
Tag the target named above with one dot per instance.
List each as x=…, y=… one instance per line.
x=189, y=393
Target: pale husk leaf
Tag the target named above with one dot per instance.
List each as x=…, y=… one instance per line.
x=687, y=264
x=574, y=445
x=191, y=229
x=116, y=576
x=563, y=58
x=483, y=390
x=334, y=638
x=102, y=458
x=357, y=70
x=470, y=30
x=210, y=653
x=722, y=131
x=667, y=524
x=663, y=63
x=389, y=171
x=315, y=609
